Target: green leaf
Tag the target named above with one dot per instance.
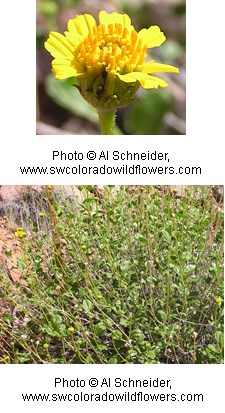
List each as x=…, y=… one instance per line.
x=112, y=360
x=124, y=266
x=47, y=8
x=211, y=348
x=137, y=336
x=88, y=305
x=163, y=315
x=151, y=354
x=56, y=320
x=8, y=253
x=99, y=328
x=65, y=94
x=146, y=116
x=24, y=357
x=200, y=248
x=71, y=215
x=189, y=269
x=82, y=292
x=117, y=335
x=131, y=353
x=124, y=322
x=165, y=235
x=141, y=239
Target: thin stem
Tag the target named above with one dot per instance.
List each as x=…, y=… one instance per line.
x=107, y=119
x=53, y=219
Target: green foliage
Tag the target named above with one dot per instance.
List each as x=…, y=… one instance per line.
x=141, y=282
x=68, y=3
x=47, y=8
x=171, y=51
x=145, y=117
x=70, y=98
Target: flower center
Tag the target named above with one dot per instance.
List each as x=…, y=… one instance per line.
x=114, y=47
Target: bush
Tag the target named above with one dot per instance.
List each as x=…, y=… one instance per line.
x=138, y=278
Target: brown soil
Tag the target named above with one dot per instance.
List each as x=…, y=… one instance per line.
x=10, y=251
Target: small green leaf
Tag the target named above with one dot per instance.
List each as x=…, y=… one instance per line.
x=117, y=335
x=124, y=266
x=112, y=360
x=99, y=328
x=141, y=239
x=146, y=116
x=88, y=305
x=67, y=95
x=124, y=322
x=151, y=354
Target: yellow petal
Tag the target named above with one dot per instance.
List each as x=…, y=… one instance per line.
x=90, y=21
x=63, y=74
x=126, y=20
x=146, y=81
x=133, y=77
x=78, y=67
x=72, y=35
x=152, y=37
x=128, y=78
x=152, y=67
x=105, y=18
x=153, y=82
x=59, y=46
x=84, y=24
x=64, y=68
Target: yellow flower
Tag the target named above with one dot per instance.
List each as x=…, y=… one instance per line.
x=71, y=330
x=106, y=56
x=20, y=233
x=218, y=300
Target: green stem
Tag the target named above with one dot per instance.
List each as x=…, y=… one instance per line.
x=107, y=119
x=53, y=220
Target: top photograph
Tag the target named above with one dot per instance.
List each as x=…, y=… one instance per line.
x=111, y=68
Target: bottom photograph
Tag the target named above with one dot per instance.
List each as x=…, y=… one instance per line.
x=111, y=274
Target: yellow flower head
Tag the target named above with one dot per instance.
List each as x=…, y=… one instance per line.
x=71, y=330
x=107, y=56
x=20, y=233
x=218, y=300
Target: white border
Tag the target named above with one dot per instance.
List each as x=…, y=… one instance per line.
x=202, y=144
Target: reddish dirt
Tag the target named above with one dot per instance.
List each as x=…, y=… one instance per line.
x=10, y=250
x=12, y=192
x=10, y=247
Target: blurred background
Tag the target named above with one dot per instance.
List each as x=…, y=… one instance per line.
x=61, y=109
